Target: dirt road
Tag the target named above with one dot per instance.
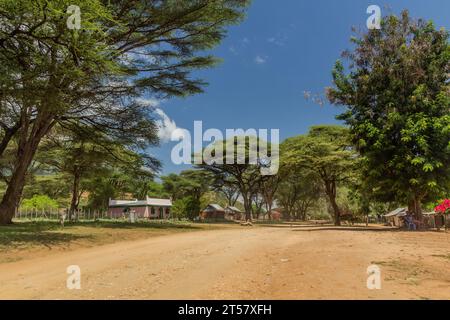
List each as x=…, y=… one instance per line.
x=290, y=262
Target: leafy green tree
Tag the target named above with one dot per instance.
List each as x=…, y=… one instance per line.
x=269, y=190
x=298, y=188
x=229, y=191
x=179, y=208
x=48, y=70
x=396, y=94
x=325, y=152
x=188, y=182
x=242, y=173
x=187, y=207
x=190, y=185
x=92, y=77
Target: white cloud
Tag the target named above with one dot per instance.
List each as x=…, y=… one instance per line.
x=149, y=102
x=166, y=126
x=278, y=40
x=260, y=59
x=233, y=50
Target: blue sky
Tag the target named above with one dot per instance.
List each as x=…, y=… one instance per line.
x=283, y=48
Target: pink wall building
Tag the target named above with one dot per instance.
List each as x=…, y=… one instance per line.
x=150, y=208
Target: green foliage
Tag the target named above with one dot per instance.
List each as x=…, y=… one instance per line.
x=187, y=207
x=396, y=95
x=324, y=154
x=39, y=202
x=179, y=208
x=245, y=172
x=213, y=197
x=188, y=183
x=90, y=80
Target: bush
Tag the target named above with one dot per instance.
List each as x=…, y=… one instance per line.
x=187, y=207
x=39, y=202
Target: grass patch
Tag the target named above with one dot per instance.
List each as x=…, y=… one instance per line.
x=23, y=234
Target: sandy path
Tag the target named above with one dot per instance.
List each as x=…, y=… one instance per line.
x=251, y=263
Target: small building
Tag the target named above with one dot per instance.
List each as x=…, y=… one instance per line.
x=150, y=208
x=213, y=211
x=233, y=213
x=394, y=218
x=276, y=214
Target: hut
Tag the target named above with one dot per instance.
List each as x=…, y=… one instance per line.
x=276, y=214
x=429, y=219
x=150, y=208
x=233, y=213
x=394, y=218
x=213, y=211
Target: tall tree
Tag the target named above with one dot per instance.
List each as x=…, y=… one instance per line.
x=51, y=74
x=397, y=98
x=227, y=188
x=327, y=154
x=269, y=190
x=188, y=187
x=240, y=171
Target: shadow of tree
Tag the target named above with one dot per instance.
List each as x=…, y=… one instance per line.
x=46, y=234
x=49, y=233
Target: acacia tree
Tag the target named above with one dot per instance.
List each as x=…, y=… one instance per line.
x=269, y=189
x=325, y=153
x=227, y=188
x=239, y=171
x=297, y=194
x=51, y=74
x=397, y=97
x=187, y=188
x=297, y=188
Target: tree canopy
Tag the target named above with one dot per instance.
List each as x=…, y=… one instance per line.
x=397, y=99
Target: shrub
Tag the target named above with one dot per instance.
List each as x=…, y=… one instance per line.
x=39, y=202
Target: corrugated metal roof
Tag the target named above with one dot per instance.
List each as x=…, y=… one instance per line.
x=213, y=206
x=136, y=203
x=233, y=209
x=397, y=212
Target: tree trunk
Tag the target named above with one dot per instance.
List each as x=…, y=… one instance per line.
x=247, y=207
x=269, y=209
x=330, y=188
x=9, y=133
x=415, y=206
x=16, y=183
x=26, y=150
x=74, y=202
